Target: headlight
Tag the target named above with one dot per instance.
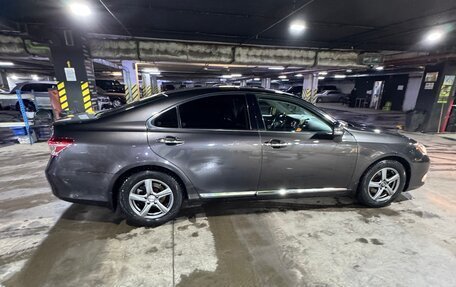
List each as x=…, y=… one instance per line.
x=421, y=148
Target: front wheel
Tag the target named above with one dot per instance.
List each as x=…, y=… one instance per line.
x=150, y=198
x=382, y=183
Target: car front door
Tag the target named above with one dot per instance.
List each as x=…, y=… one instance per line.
x=300, y=153
x=212, y=141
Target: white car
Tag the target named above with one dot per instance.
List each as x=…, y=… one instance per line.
x=34, y=94
x=331, y=96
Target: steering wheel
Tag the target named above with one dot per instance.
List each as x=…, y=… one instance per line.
x=278, y=121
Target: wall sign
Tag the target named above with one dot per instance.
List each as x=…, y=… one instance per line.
x=429, y=86
x=431, y=77
x=446, y=89
x=70, y=74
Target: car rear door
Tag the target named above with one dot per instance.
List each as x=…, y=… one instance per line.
x=300, y=154
x=211, y=139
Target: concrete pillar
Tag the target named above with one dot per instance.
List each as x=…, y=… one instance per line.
x=242, y=83
x=4, y=80
x=131, y=81
x=436, y=96
x=309, y=87
x=74, y=72
x=155, y=84
x=266, y=83
x=147, y=88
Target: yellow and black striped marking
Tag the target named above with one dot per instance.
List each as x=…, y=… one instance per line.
x=308, y=95
x=86, y=98
x=63, y=96
x=135, y=93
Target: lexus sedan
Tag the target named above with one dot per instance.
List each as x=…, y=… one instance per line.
x=147, y=157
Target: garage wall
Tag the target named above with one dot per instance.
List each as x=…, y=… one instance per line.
x=411, y=94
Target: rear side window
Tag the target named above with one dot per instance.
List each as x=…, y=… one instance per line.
x=167, y=119
x=217, y=112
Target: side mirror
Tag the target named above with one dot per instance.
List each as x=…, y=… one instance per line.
x=338, y=129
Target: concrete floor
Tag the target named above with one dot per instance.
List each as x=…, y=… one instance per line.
x=290, y=242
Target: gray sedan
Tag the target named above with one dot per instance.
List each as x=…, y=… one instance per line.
x=147, y=157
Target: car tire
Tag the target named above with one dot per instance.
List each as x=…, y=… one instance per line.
x=140, y=201
x=382, y=183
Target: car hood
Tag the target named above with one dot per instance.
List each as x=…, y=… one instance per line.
x=374, y=133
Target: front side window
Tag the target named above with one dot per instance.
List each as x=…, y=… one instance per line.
x=227, y=112
x=281, y=115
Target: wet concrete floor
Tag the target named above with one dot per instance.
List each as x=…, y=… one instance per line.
x=288, y=242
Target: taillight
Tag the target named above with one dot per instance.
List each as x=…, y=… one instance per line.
x=57, y=145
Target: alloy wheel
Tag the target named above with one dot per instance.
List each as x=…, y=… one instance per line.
x=151, y=198
x=384, y=184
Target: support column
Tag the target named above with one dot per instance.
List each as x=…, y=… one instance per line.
x=154, y=84
x=4, y=80
x=131, y=81
x=147, y=88
x=436, y=96
x=309, y=87
x=74, y=72
x=266, y=83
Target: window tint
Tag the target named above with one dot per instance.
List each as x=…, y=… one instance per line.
x=286, y=116
x=216, y=112
x=36, y=87
x=167, y=119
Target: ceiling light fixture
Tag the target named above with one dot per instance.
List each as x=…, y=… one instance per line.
x=231, y=76
x=80, y=9
x=340, y=76
x=256, y=79
x=282, y=77
x=323, y=73
x=297, y=27
x=434, y=36
x=152, y=71
x=2, y=63
x=279, y=68
x=35, y=77
x=321, y=78
x=298, y=75
x=116, y=74
x=349, y=71
x=379, y=68
x=14, y=77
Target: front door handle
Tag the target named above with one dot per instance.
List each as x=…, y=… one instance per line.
x=274, y=143
x=171, y=140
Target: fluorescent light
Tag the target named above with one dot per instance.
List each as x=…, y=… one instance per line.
x=231, y=76
x=434, y=36
x=379, y=68
x=2, y=63
x=282, y=77
x=14, y=77
x=298, y=75
x=324, y=73
x=349, y=71
x=276, y=68
x=116, y=73
x=152, y=71
x=80, y=8
x=256, y=79
x=321, y=78
x=34, y=77
x=340, y=76
x=297, y=27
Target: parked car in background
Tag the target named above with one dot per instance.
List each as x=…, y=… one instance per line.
x=224, y=142
x=323, y=88
x=295, y=90
x=34, y=94
x=108, y=100
x=331, y=97
x=110, y=86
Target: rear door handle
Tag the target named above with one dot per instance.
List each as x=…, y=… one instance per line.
x=171, y=140
x=274, y=143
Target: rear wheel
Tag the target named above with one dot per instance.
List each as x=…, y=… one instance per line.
x=382, y=183
x=150, y=198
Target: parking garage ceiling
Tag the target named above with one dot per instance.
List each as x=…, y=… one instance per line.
x=349, y=24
